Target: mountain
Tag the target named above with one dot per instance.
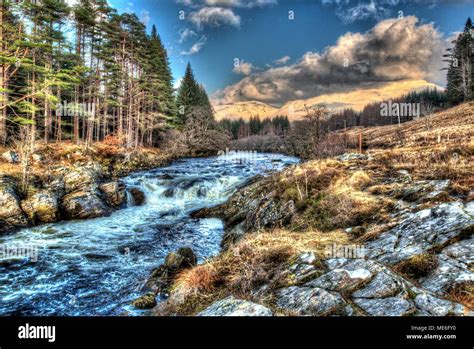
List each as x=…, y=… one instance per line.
x=244, y=110
x=356, y=99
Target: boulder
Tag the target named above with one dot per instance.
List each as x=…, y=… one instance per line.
x=381, y=286
x=83, y=205
x=390, y=306
x=81, y=178
x=138, y=196
x=342, y=279
x=114, y=193
x=433, y=306
x=231, y=306
x=11, y=157
x=147, y=301
x=11, y=214
x=41, y=207
x=309, y=301
x=421, y=231
x=175, y=262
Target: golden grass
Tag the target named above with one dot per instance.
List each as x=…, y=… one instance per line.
x=417, y=266
x=257, y=260
x=463, y=293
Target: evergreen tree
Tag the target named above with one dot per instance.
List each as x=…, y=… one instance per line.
x=189, y=96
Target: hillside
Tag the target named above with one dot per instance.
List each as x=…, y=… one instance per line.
x=385, y=232
x=244, y=110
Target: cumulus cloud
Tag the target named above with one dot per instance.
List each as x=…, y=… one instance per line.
x=196, y=47
x=214, y=17
x=395, y=49
x=145, y=17
x=243, y=68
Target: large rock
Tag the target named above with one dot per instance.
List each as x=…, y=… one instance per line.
x=138, y=196
x=342, y=279
x=430, y=305
x=309, y=301
x=391, y=306
x=83, y=205
x=42, y=207
x=114, y=193
x=175, y=262
x=147, y=301
x=11, y=214
x=306, y=266
x=231, y=306
x=81, y=178
x=424, y=230
x=381, y=286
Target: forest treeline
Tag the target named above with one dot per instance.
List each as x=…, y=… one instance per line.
x=85, y=73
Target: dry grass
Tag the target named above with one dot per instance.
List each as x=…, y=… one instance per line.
x=463, y=293
x=258, y=260
x=417, y=266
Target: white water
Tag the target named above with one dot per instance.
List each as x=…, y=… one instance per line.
x=98, y=266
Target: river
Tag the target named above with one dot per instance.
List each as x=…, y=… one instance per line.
x=99, y=266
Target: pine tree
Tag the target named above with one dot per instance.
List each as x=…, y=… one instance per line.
x=189, y=96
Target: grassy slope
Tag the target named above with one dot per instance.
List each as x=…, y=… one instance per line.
x=332, y=195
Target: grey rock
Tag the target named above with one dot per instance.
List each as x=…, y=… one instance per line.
x=462, y=251
x=305, y=267
x=11, y=214
x=342, y=279
x=114, y=193
x=81, y=178
x=419, y=232
x=438, y=307
x=352, y=156
x=448, y=273
x=391, y=306
x=381, y=286
x=309, y=301
x=231, y=306
x=83, y=205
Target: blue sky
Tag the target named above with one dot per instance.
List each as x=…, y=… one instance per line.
x=260, y=32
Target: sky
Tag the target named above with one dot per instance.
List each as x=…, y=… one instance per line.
x=278, y=50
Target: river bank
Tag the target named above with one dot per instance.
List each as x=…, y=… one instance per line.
x=67, y=181
x=385, y=233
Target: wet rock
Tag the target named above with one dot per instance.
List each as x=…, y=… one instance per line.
x=138, y=196
x=175, y=262
x=421, y=231
x=309, y=301
x=41, y=207
x=306, y=267
x=381, y=286
x=391, y=306
x=231, y=306
x=11, y=157
x=11, y=214
x=83, y=205
x=147, y=301
x=342, y=280
x=114, y=193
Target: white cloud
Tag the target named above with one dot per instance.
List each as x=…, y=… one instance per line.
x=214, y=17
x=145, y=17
x=283, y=60
x=243, y=68
x=196, y=47
x=228, y=3
x=185, y=34
x=394, y=49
